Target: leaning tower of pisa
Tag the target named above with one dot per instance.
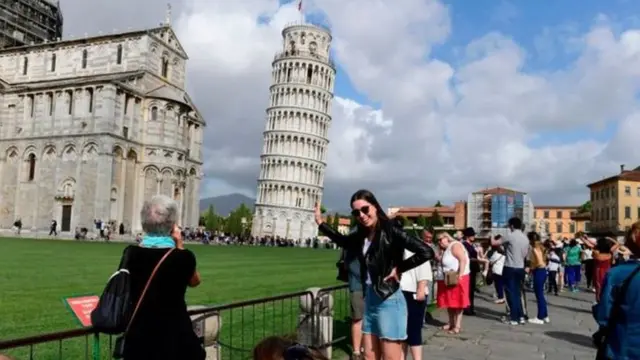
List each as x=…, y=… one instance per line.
x=294, y=153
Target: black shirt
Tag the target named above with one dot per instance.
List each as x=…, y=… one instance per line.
x=162, y=328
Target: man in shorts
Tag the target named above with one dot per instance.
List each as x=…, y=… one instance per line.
x=356, y=299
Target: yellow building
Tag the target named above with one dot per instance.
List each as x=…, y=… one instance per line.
x=555, y=221
x=582, y=220
x=615, y=202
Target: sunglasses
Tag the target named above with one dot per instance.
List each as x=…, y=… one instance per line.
x=363, y=210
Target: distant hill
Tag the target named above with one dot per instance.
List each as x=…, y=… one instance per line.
x=225, y=204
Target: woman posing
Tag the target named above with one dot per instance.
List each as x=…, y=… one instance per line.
x=603, y=250
x=382, y=246
x=453, y=295
x=538, y=268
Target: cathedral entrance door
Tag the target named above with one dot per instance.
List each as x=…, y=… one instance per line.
x=66, y=218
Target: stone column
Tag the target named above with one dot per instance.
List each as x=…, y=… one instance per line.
x=207, y=328
x=137, y=204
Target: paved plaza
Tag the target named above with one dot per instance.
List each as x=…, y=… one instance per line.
x=484, y=336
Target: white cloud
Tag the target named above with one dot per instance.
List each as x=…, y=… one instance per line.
x=442, y=129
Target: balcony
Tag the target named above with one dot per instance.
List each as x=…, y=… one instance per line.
x=293, y=54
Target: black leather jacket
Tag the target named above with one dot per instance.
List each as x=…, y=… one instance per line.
x=385, y=253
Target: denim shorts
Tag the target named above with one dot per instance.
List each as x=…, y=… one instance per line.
x=386, y=319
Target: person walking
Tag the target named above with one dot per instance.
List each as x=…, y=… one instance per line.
x=468, y=238
x=381, y=246
x=516, y=247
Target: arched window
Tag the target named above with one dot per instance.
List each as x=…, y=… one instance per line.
x=165, y=67
x=154, y=113
x=85, y=55
x=32, y=167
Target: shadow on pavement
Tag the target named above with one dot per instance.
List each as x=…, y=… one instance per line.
x=489, y=314
x=570, y=308
x=576, y=339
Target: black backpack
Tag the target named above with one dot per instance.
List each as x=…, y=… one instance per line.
x=115, y=307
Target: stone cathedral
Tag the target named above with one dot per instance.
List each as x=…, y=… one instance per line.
x=91, y=127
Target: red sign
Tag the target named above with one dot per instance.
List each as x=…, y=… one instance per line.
x=82, y=306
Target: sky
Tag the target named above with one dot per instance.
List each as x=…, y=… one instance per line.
x=433, y=99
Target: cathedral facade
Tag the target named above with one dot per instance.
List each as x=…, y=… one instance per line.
x=90, y=128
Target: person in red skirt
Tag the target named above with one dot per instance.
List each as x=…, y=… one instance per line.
x=603, y=250
x=453, y=297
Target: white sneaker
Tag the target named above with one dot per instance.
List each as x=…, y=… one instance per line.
x=523, y=321
x=536, y=321
x=514, y=323
x=546, y=320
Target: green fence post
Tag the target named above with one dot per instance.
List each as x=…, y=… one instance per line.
x=96, y=346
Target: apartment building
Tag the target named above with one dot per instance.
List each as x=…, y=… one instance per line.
x=555, y=221
x=615, y=201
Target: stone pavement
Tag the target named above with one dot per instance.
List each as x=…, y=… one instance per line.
x=484, y=336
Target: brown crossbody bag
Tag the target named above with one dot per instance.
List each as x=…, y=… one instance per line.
x=118, y=348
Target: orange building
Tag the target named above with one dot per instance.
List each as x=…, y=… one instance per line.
x=555, y=221
x=453, y=217
x=615, y=202
x=344, y=224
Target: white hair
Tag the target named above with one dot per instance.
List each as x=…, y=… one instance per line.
x=158, y=215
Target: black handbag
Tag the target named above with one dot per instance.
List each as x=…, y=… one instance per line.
x=601, y=336
x=118, y=348
x=114, y=308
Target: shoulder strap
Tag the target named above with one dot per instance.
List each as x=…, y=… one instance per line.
x=146, y=287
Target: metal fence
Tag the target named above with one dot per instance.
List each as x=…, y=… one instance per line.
x=240, y=327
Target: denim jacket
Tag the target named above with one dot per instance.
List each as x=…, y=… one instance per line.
x=624, y=342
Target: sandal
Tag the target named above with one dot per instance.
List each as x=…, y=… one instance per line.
x=446, y=327
x=454, y=331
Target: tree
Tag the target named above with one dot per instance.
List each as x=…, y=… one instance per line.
x=436, y=220
x=405, y=221
x=438, y=204
x=336, y=221
x=585, y=208
x=421, y=221
x=323, y=209
x=211, y=220
x=329, y=221
x=352, y=221
x=234, y=224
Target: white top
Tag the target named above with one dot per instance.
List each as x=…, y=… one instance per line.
x=497, y=262
x=553, y=266
x=587, y=254
x=450, y=263
x=365, y=247
x=409, y=280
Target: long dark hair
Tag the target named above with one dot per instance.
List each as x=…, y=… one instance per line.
x=366, y=195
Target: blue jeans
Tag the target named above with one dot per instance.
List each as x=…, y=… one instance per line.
x=386, y=319
x=573, y=275
x=539, y=278
x=498, y=282
x=513, y=279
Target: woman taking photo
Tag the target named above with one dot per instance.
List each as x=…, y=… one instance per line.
x=538, y=268
x=381, y=246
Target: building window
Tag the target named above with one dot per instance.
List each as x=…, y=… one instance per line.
x=32, y=105
x=119, y=55
x=614, y=214
x=638, y=191
x=559, y=214
x=53, y=62
x=32, y=167
x=638, y=212
x=85, y=55
x=25, y=65
x=126, y=103
x=299, y=202
x=165, y=67
x=627, y=190
x=90, y=99
x=547, y=228
x=50, y=100
x=627, y=212
x=545, y=215
x=154, y=113
x=70, y=108
x=559, y=227
x=606, y=214
x=587, y=226
x=572, y=227
x=125, y=132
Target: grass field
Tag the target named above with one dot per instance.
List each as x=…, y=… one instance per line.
x=35, y=275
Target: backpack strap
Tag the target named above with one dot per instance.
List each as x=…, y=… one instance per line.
x=146, y=287
x=616, y=310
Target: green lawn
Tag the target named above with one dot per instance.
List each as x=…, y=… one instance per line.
x=36, y=274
